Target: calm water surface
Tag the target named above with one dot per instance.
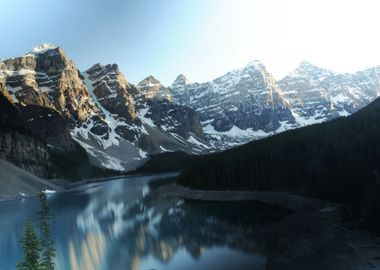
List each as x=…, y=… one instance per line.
x=125, y=224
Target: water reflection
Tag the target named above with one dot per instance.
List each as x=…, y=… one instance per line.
x=127, y=225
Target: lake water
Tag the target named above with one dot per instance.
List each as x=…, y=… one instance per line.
x=125, y=224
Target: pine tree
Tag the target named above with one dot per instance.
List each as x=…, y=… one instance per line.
x=31, y=247
x=47, y=244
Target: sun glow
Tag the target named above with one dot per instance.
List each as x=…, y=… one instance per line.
x=340, y=35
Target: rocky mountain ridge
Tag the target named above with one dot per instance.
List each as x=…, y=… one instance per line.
x=237, y=107
x=248, y=103
x=316, y=94
x=112, y=119
x=120, y=124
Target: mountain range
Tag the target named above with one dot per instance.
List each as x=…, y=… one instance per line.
x=119, y=124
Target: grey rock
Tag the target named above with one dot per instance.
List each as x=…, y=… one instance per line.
x=246, y=98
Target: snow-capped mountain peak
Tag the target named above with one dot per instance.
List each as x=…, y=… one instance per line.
x=256, y=63
x=149, y=82
x=42, y=48
x=151, y=87
x=119, y=124
x=181, y=80
x=308, y=69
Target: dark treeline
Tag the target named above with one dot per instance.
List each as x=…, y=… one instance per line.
x=337, y=161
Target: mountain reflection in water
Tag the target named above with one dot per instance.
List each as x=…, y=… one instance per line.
x=125, y=224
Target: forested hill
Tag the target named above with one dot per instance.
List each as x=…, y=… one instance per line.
x=338, y=160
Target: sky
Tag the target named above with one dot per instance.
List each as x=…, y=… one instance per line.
x=202, y=39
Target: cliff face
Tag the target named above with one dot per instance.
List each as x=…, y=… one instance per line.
x=151, y=88
x=113, y=96
x=108, y=116
x=120, y=125
x=240, y=106
x=316, y=94
x=112, y=91
x=25, y=152
x=48, y=126
x=47, y=78
x=166, y=114
x=38, y=140
x=17, y=144
x=174, y=118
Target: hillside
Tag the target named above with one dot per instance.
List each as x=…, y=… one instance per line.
x=15, y=181
x=338, y=161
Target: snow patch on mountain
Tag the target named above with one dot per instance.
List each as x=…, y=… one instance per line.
x=106, y=161
x=43, y=48
x=194, y=141
x=142, y=115
x=113, y=137
x=163, y=149
x=303, y=121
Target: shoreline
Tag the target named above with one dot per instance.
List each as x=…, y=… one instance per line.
x=291, y=201
x=60, y=184
x=313, y=237
x=110, y=178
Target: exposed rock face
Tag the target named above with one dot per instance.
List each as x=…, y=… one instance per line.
x=48, y=126
x=99, y=108
x=112, y=91
x=248, y=103
x=113, y=95
x=150, y=87
x=316, y=94
x=179, y=83
x=247, y=99
x=174, y=118
x=165, y=113
x=38, y=140
x=3, y=88
x=46, y=77
x=25, y=152
x=130, y=123
x=17, y=145
x=120, y=124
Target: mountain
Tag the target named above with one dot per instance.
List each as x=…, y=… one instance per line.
x=248, y=103
x=316, y=94
x=47, y=78
x=17, y=145
x=117, y=123
x=37, y=139
x=120, y=125
x=150, y=87
x=237, y=107
x=130, y=126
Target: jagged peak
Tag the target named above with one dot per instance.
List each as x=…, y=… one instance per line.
x=307, y=64
x=42, y=48
x=306, y=68
x=181, y=80
x=99, y=66
x=149, y=81
x=255, y=63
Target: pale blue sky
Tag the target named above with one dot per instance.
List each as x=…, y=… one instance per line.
x=200, y=38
